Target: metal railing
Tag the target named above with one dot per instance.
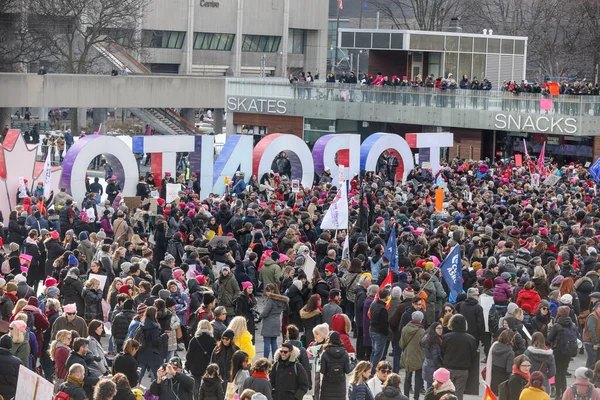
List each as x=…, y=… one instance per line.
x=417, y=97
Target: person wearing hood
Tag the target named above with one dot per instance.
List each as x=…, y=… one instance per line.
x=165, y=269
x=340, y=323
x=199, y=352
x=528, y=298
x=271, y=271
x=335, y=364
x=473, y=313
x=228, y=290
x=542, y=359
x=583, y=385
x=72, y=288
x=442, y=385
x=86, y=247
x=540, y=322
x=559, y=335
x=271, y=318
x=502, y=290
x=459, y=353
x=288, y=377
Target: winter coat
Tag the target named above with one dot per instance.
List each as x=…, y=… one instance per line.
x=271, y=315
x=359, y=303
x=584, y=287
x=228, y=292
x=360, y=392
x=72, y=289
x=340, y=325
x=198, y=355
x=350, y=280
x=244, y=342
x=534, y=393
x=288, y=378
x=74, y=390
x=390, y=393
x=516, y=383
x=97, y=368
x=294, y=306
x=446, y=388
x=223, y=360
x=473, y=313
x=270, y=272
x=309, y=321
x=459, y=349
x=53, y=251
x=259, y=385
x=124, y=394
x=529, y=301
x=165, y=273
x=329, y=311
x=582, y=387
x=503, y=358
x=93, y=304
x=179, y=387
x=211, y=389
x=150, y=353
x=78, y=324
x=24, y=291
x=126, y=364
x=7, y=303
x=36, y=268
x=542, y=287
x=502, y=291
x=245, y=306
x=61, y=355
x=433, y=358
x=88, y=380
x=396, y=318
x=9, y=373
x=87, y=248
x=120, y=325
x=412, y=353
x=366, y=321
x=335, y=364
x=542, y=360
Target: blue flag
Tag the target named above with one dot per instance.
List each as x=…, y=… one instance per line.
x=451, y=269
x=366, y=7
x=391, y=251
x=594, y=170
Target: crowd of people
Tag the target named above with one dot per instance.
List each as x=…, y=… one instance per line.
x=98, y=303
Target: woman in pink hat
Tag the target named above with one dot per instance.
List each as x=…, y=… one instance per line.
x=20, y=348
x=442, y=385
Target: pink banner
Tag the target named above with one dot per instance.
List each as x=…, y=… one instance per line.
x=545, y=104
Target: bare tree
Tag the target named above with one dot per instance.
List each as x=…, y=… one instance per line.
x=17, y=48
x=427, y=15
x=69, y=30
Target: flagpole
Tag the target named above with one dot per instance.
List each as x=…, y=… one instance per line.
x=337, y=34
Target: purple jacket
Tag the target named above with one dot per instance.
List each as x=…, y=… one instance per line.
x=105, y=224
x=502, y=291
x=367, y=321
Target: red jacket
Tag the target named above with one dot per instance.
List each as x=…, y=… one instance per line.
x=41, y=323
x=341, y=326
x=529, y=301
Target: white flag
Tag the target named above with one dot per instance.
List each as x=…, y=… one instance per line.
x=48, y=174
x=337, y=215
x=346, y=248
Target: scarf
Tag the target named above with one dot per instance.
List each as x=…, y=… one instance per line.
x=75, y=381
x=262, y=375
x=517, y=371
x=12, y=296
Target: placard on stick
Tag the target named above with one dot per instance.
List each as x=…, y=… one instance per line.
x=132, y=202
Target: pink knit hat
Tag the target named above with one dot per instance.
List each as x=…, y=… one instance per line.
x=246, y=285
x=70, y=308
x=442, y=375
x=20, y=325
x=177, y=273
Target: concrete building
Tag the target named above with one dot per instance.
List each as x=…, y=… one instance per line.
x=235, y=37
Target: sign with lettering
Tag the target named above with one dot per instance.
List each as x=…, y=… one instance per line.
x=252, y=105
x=211, y=4
x=535, y=123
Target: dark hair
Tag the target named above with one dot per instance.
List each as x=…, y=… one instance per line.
x=122, y=297
x=293, y=333
x=333, y=293
x=273, y=288
x=130, y=345
x=79, y=343
x=160, y=304
x=261, y=365
x=416, y=299
x=236, y=363
x=121, y=381
x=92, y=326
x=313, y=302
x=151, y=314
x=384, y=293
x=506, y=337
x=355, y=266
x=432, y=337
x=212, y=371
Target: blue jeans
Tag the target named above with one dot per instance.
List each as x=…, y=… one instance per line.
x=378, y=343
x=350, y=314
x=397, y=353
x=270, y=344
x=146, y=367
x=111, y=344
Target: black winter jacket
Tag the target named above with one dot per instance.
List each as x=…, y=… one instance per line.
x=120, y=325
x=72, y=289
x=223, y=360
x=9, y=373
x=180, y=387
x=335, y=364
x=93, y=304
x=211, y=389
x=199, y=352
x=126, y=364
x=473, y=313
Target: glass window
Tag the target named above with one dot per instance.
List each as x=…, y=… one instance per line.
x=479, y=66
x=480, y=45
x=213, y=41
x=381, y=40
x=508, y=46
x=466, y=44
x=363, y=40
x=397, y=41
x=451, y=65
x=426, y=42
x=519, y=47
x=451, y=43
x=493, y=46
x=296, y=41
x=163, y=39
x=262, y=44
x=464, y=65
x=347, y=39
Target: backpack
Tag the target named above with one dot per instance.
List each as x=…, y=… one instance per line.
x=138, y=335
x=30, y=320
x=568, y=342
x=577, y=396
x=62, y=396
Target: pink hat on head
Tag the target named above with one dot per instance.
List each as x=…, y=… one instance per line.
x=283, y=258
x=113, y=177
x=480, y=272
x=191, y=213
x=246, y=285
x=442, y=375
x=50, y=281
x=20, y=325
x=543, y=231
x=70, y=308
x=201, y=279
x=177, y=273
x=435, y=260
x=205, y=206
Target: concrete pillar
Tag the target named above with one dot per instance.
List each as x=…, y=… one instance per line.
x=239, y=37
x=188, y=48
x=285, y=38
x=189, y=114
x=81, y=120
x=218, y=121
x=230, y=128
x=100, y=117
